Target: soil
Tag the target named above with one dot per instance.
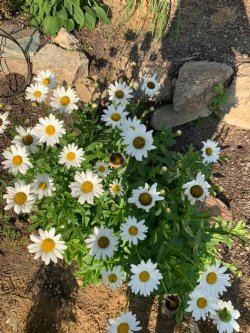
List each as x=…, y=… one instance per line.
x=35, y=298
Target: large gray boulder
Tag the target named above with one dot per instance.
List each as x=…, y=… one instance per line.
x=193, y=89
x=69, y=66
x=237, y=109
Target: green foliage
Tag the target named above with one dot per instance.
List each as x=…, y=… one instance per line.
x=181, y=239
x=220, y=97
x=70, y=14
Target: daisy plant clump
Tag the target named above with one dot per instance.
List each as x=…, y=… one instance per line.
x=109, y=193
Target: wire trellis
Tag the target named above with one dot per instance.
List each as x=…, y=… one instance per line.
x=11, y=77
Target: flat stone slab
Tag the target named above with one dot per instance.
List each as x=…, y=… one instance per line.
x=28, y=38
x=167, y=117
x=68, y=66
x=237, y=109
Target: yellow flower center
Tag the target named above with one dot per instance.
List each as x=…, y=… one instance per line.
x=48, y=245
x=103, y=242
x=133, y=231
x=42, y=186
x=70, y=156
x=196, y=191
x=211, y=278
x=116, y=117
x=119, y=94
x=20, y=198
x=145, y=198
x=101, y=168
x=87, y=187
x=17, y=160
x=144, y=276
x=46, y=81
x=50, y=129
x=112, y=278
x=116, y=188
x=27, y=139
x=139, y=142
x=201, y=302
x=150, y=85
x=65, y=100
x=37, y=93
x=123, y=328
x=209, y=151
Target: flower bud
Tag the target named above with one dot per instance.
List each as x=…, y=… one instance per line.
x=178, y=133
x=168, y=210
x=151, y=108
x=162, y=192
x=220, y=189
x=164, y=168
x=94, y=105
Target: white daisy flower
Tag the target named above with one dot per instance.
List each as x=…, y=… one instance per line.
x=113, y=278
x=214, y=281
x=116, y=188
x=146, y=197
x=201, y=304
x=46, y=78
x=47, y=245
x=114, y=116
x=16, y=160
x=150, y=86
x=37, y=92
x=145, y=278
x=71, y=156
x=50, y=130
x=116, y=160
x=102, y=169
x=20, y=197
x=131, y=123
x=102, y=243
x=210, y=151
x=138, y=142
x=119, y=92
x=87, y=185
x=196, y=189
x=126, y=323
x=225, y=317
x=64, y=100
x=132, y=230
x=43, y=186
x=26, y=138
x=4, y=122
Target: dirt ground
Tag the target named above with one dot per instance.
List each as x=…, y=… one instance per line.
x=35, y=298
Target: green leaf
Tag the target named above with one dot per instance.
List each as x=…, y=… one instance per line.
x=79, y=16
x=90, y=21
x=51, y=25
x=62, y=14
x=69, y=25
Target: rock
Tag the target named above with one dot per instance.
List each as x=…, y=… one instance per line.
x=28, y=38
x=84, y=92
x=237, y=109
x=166, y=117
x=193, y=88
x=218, y=208
x=65, y=40
x=69, y=66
